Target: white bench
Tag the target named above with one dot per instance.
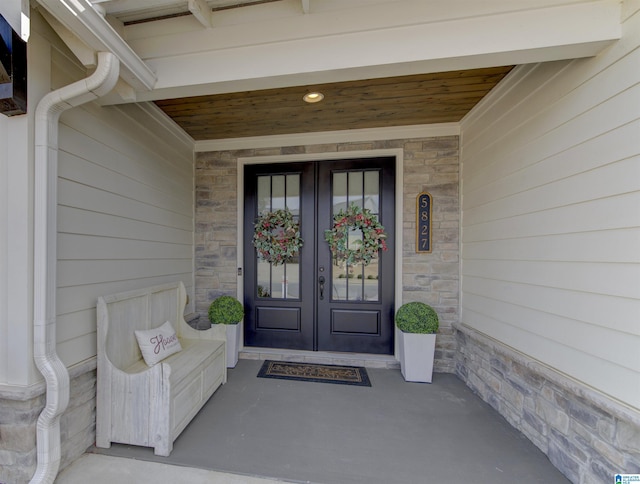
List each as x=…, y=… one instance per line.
x=150, y=406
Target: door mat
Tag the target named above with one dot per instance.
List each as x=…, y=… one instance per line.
x=289, y=370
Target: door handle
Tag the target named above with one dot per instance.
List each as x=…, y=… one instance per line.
x=321, y=282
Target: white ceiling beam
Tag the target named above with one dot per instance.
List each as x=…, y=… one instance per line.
x=201, y=11
x=420, y=37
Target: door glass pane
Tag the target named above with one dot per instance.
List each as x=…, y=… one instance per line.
x=356, y=283
x=293, y=194
x=355, y=188
x=264, y=194
x=339, y=192
x=355, y=238
x=277, y=192
x=370, y=281
x=292, y=281
x=339, y=270
x=277, y=281
x=372, y=191
x=339, y=283
x=264, y=278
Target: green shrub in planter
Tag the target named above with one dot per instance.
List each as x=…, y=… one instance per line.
x=226, y=310
x=417, y=317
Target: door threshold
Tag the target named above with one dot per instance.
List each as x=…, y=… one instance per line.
x=321, y=357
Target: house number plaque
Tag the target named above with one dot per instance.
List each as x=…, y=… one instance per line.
x=423, y=223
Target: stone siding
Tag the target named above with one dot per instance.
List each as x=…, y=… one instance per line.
x=18, y=438
x=18, y=420
x=430, y=164
x=587, y=436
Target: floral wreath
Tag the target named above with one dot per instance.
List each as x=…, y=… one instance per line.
x=373, y=236
x=277, y=236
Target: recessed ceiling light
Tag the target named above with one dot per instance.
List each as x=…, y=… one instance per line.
x=313, y=97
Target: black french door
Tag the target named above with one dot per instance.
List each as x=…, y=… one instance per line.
x=312, y=302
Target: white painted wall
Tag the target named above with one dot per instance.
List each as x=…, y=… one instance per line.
x=125, y=216
x=16, y=364
x=16, y=231
x=4, y=241
x=125, y=212
x=551, y=215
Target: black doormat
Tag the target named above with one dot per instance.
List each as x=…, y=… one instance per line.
x=289, y=370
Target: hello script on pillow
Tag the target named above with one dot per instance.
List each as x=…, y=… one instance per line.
x=156, y=344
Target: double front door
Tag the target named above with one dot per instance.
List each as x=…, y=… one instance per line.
x=313, y=302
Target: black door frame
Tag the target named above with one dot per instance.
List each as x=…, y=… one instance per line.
x=396, y=153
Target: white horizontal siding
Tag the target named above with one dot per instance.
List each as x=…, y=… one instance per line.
x=607, y=181
x=125, y=210
x=603, y=214
x=567, y=333
x=621, y=246
x=100, y=200
x=551, y=215
x=593, y=309
x=80, y=298
x=77, y=220
x=613, y=379
x=601, y=150
x=620, y=280
x=94, y=247
x=163, y=175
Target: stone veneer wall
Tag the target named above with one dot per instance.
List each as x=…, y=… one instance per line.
x=430, y=164
x=587, y=436
x=18, y=419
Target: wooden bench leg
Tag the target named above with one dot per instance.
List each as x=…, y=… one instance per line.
x=163, y=448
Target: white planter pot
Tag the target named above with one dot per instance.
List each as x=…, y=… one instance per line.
x=416, y=356
x=233, y=344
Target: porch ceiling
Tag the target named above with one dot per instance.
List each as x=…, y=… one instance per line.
x=395, y=101
x=239, y=68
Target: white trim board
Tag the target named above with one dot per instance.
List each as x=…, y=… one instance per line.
x=397, y=153
x=325, y=137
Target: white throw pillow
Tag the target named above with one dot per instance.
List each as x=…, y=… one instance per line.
x=156, y=344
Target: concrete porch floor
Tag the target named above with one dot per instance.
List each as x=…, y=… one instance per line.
x=392, y=432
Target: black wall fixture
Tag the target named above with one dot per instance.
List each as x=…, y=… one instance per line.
x=13, y=71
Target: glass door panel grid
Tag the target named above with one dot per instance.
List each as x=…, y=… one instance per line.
x=360, y=188
x=277, y=192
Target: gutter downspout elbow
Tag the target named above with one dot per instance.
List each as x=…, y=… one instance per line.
x=45, y=356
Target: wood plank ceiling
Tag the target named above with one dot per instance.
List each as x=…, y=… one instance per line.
x=395, y=101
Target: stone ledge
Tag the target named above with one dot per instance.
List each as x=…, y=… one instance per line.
x=614, y=407
x=587, y=435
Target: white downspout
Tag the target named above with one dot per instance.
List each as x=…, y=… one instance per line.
x=45, y=207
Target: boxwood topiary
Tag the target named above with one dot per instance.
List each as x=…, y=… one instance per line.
x=226, y=310
x=417, y=317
